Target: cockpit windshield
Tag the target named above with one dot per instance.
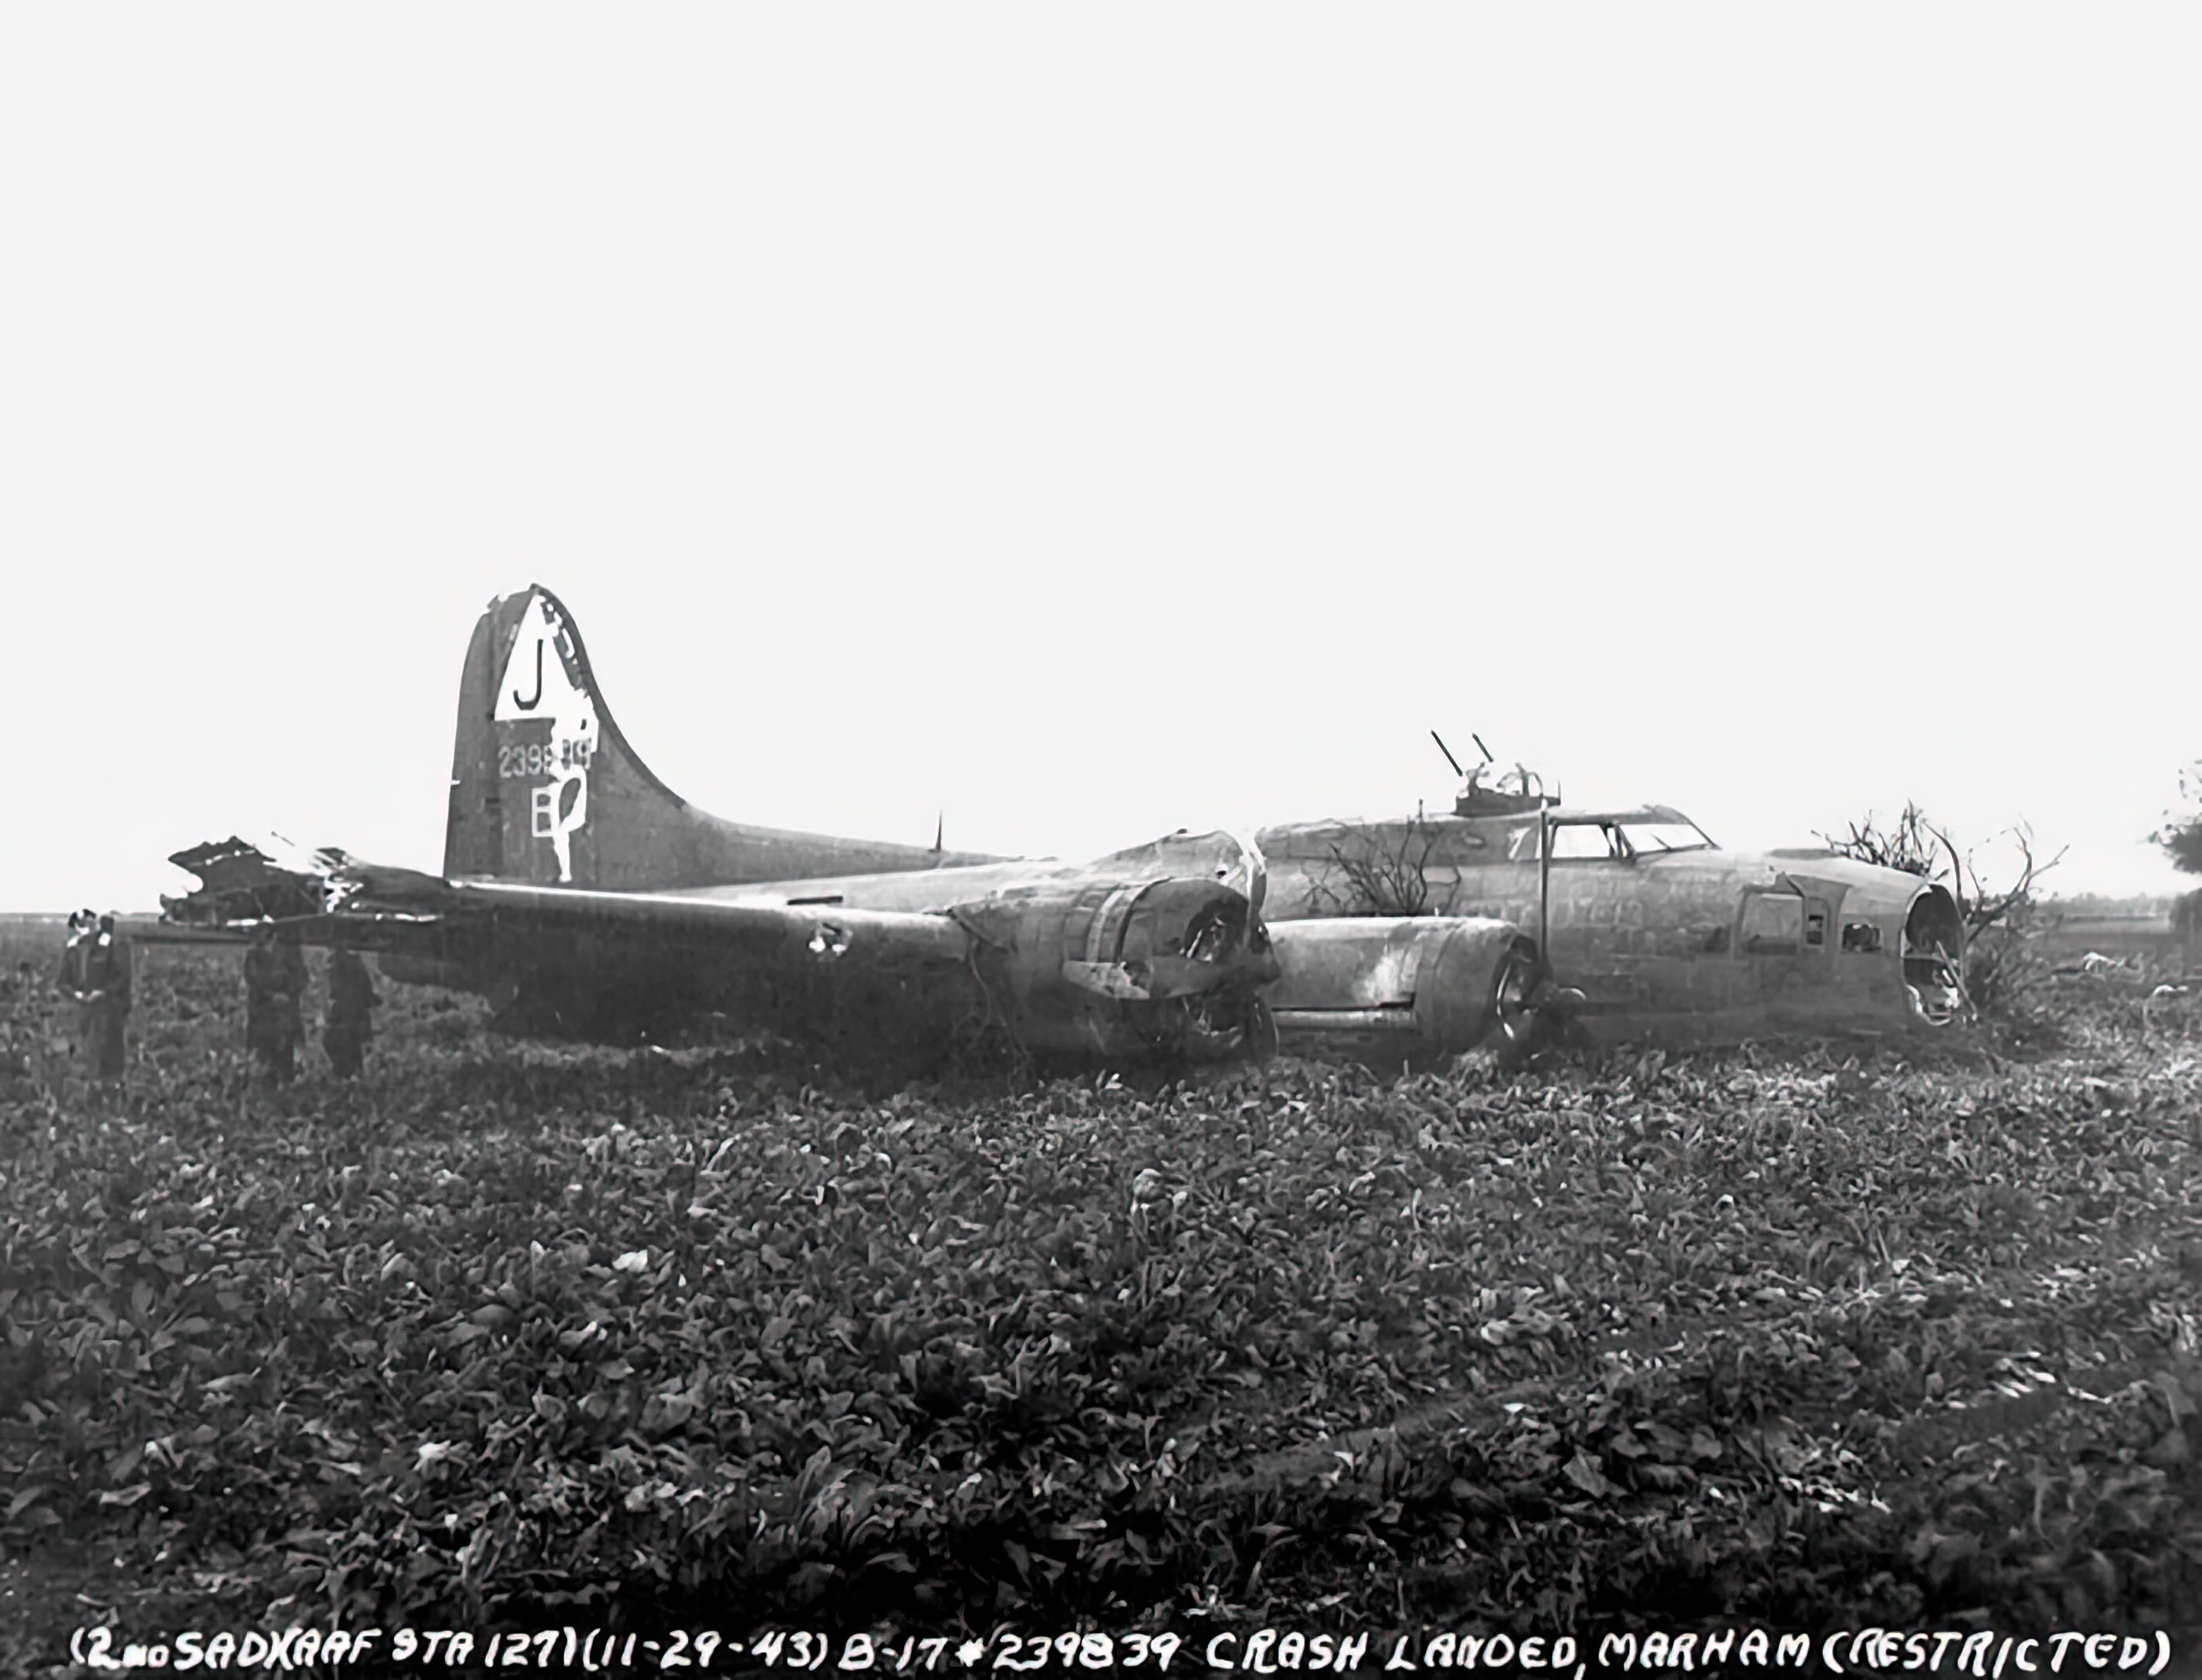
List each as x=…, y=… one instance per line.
x=1645, y=834
x=1679, y=834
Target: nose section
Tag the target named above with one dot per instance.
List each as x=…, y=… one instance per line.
x=1933, y=959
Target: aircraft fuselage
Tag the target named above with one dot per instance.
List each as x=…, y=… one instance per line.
x=1678, y=939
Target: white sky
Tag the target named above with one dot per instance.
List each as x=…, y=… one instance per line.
x=1093, y=421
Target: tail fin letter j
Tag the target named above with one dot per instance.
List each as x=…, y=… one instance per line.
x=536, y=698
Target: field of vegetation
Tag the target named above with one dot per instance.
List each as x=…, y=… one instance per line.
x=503, y=1336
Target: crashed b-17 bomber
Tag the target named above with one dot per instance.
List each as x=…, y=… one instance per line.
x=586, y=900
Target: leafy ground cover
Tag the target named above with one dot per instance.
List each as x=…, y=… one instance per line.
x=503, y=1336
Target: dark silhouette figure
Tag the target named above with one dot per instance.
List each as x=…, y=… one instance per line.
x=275, y=990
x=95, y=974
x=348, y=1026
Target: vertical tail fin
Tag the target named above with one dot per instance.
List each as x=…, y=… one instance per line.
x=535, y=752
x=545, y=788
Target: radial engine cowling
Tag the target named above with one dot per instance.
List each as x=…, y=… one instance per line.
x=1164, y=970
x=1400, y=987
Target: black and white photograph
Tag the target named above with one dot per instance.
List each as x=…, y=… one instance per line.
x=1156, y=838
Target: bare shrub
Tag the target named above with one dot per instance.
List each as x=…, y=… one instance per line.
x=2006, y=977
x=2180, y=833
x=1383, y=876
x=1909, y=843
x=2187, y=923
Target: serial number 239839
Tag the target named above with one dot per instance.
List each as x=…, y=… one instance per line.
x=1017, y=1653
x=542, y=757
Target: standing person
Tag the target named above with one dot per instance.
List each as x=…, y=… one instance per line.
x=106, y=998
x=83, y=928
x=347, y=1027
x=274, y=985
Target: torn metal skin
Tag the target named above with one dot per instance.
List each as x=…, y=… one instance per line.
x=240, y=883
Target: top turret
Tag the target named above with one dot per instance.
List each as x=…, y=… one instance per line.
x=1490, y=790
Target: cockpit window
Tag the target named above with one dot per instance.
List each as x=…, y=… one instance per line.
x=1611, y=837
x=1583, y=840
x=1571, y=841
x=1646, y=838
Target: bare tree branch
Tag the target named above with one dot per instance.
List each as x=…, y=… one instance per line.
x=1382, y=879
x=1918, y=847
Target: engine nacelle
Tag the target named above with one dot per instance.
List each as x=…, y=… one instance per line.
x=1401, y=987
x=1167, y=969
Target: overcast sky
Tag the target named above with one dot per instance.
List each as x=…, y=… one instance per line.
x=1088, y=422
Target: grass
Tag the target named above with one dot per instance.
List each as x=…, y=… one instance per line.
x=504, y=1336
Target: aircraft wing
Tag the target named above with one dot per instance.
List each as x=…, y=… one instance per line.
x=374, y=907
x=1122, y=961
